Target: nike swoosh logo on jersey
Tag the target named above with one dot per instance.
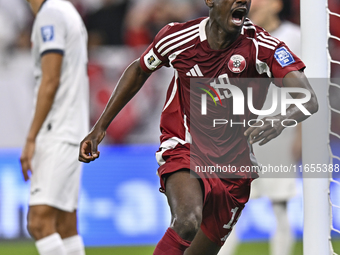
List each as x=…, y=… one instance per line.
x=35, y=191
x=195, y=72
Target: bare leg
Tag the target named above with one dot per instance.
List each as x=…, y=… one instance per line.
x=42, y=225
x=42, y=221
x=230, y=245
x=67, y=224
x=185, y=198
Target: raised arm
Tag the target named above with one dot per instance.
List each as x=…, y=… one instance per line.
x=129, y=84
x=270, y=130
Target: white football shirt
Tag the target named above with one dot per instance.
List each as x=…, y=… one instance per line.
x=59, y=28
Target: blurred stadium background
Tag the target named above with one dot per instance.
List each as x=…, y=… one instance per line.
x=120, y=205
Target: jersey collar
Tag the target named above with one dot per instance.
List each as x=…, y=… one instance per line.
x=203, y=35
x=203, y=23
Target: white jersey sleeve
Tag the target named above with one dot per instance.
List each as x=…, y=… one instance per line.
x=52, y=31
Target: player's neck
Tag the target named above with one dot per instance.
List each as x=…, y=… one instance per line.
x=218, y=38
x=36, y=5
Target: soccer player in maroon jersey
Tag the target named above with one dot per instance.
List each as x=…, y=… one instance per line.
x=226, y=45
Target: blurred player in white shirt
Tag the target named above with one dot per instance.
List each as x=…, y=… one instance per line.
x=61, y=117
x=265, y=13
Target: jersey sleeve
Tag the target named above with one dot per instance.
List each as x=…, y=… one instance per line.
x=151, y=60
x=51, y=32
x=280, y=59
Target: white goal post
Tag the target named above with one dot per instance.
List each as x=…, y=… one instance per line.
x=315, y=131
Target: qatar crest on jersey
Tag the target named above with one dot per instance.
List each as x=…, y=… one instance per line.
x=237, y=64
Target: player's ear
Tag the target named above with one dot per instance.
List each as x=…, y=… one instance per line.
x=209, y=3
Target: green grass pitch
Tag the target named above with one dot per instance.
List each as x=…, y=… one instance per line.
x=28, y=248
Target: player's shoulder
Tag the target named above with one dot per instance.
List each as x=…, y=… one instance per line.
x=176, y=28
x=57, y=4
x=49, y=10
x=260, y=36
x=54, y=9
x=187, y=24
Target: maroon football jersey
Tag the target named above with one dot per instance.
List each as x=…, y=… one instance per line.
x=184, y=46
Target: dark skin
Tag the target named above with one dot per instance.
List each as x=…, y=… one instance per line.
x=266, y=133
x=185, y=194
x=221, y=31
x=129, y=84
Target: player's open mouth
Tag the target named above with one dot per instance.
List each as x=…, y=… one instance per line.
x=238, y=16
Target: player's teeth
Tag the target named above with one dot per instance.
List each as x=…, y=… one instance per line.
x=237, y=21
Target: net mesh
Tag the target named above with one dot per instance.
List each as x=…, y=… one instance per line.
x=334, y=112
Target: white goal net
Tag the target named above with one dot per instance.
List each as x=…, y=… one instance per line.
x=321, y=135
x=334, y=111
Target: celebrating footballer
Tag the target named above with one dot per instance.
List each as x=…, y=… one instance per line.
x=226, y=46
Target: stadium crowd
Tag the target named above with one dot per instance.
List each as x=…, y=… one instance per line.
x=119, y=31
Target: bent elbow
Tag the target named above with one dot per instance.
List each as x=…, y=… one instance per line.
x=314, y=105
